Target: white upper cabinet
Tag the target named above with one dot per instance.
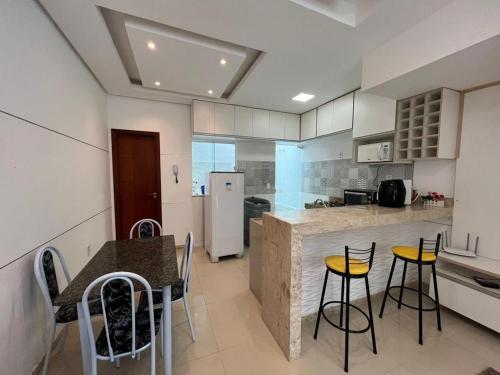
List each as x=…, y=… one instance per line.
x=325, y=119
x=260, y=123
x=308, y=125
x=277, y=121
x=373, y=115
x=342, y=113
x=224, y=119
x=292, y=127
x=203, y=117
x=243, y=121
x=230, y=120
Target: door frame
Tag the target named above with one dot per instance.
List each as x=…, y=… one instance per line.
x=116, y=193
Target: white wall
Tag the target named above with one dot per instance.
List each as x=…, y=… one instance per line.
x=477, y=207
x=198, y=222
x=172, y=121
x=435, y=175
x=255, y=150
x=54, y=168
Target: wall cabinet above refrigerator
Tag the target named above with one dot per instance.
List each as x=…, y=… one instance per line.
x=237, y=121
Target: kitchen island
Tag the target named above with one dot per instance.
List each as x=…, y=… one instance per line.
x=295, y=242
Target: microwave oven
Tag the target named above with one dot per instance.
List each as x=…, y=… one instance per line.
x=359, y=196
x=375, y=152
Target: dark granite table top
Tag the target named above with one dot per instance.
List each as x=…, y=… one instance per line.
x=153, y=258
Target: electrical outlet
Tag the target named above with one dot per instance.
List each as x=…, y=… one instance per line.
x=88, y=250
x=388, y=177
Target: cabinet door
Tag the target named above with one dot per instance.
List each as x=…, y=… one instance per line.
x=373, y=115
x=260, y=123
x=342, y=113
x=292, y=127
x=243, y=121
x=308, y=125
x=325, y=119
x=277, y=125
x=203, y=117
x=224, y=119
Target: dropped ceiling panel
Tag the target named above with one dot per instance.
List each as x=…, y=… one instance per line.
x=183, y=62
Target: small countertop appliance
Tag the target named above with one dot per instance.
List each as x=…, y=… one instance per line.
x=359, y=196
x=392, y=193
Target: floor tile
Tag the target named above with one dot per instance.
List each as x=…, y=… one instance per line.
x=210, y=365
x=184, y=349
x=233, y=339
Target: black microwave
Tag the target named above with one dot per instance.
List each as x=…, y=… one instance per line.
x=359, y=196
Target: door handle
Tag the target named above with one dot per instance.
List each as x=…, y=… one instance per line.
x=155, y=195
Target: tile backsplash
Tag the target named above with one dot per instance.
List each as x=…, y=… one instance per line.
x=331, y=177
x=259, y=176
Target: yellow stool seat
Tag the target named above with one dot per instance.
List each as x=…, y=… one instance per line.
x=337, y=263
x=411, y=253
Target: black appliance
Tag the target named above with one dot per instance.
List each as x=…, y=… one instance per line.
x=253, y=207
x=359, y=196
x=391, y=193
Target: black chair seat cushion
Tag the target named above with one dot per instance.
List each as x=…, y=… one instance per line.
x=120, y=335
x=177, y=293
x=69, y=313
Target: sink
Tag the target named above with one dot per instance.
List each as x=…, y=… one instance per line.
x=319, y=203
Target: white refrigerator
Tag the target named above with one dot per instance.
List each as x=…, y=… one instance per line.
x=223, y=211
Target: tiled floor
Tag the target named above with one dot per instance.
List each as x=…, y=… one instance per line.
x=232, y=338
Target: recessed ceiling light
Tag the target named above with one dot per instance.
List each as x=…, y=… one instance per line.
x=210, y=92
x=223, y=61
x=151, y=46
x=303, y=97
x=157, y=83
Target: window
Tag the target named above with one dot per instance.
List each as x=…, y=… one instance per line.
x=209, y=157
x=288, y=176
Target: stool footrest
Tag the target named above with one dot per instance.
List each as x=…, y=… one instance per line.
x=342, y=328
x=411, y=306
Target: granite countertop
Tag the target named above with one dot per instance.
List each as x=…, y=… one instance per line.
x=324, y=220
x=257, y=220
x=154, y=259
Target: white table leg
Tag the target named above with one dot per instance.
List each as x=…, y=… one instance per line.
x=167, y=330
x=84, y=341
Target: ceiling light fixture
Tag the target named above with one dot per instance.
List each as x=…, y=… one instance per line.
x=151, y=46
x=157, y=83
x=223, y=62
x=210, y=92
x=302, y=97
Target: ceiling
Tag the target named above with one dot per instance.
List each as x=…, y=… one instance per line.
x=274, y=49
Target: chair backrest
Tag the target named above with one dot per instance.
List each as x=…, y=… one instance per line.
x=118, y=306
x=145, y=228
x=45, y=274
x=187, y=261
x=359, y=257
x=429, y=246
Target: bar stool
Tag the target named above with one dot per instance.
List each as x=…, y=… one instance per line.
x=425, y=255
x=349, y=267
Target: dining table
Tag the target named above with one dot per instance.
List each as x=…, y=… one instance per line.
x=154, y=259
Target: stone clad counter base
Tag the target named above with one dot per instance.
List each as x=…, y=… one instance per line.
x=283, y=237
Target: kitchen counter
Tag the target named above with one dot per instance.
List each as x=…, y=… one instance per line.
x=295, y=242
x=324, y=220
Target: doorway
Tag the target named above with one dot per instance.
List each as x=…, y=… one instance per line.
x=136, y=178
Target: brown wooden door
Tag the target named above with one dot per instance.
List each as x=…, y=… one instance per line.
x=136, y=178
